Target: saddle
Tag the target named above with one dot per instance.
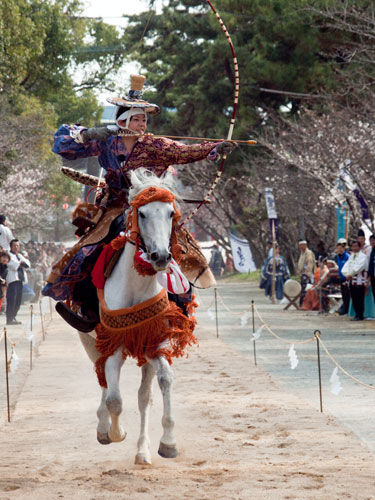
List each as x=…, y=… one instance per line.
x=95, y=226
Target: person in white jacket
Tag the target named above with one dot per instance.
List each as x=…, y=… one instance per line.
x=15, y=279
x=355, y=270
x=6, y=235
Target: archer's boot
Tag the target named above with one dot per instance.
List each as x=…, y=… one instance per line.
x=80, y=323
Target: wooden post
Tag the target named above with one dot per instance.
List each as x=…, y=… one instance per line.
x=317, y=335
x=6, y=371
x=273, y=262
x=41, y=319
x=254, y=347
x=217, y=321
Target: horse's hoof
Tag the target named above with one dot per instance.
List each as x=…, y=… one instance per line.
x=116, y=436
x=167, y=450
x=103, y=438
x=141, y=459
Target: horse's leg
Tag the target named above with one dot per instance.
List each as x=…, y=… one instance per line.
x=113, y=399
x=144, y=402
x=88, y=343
x=164, y=373
x=104, y=421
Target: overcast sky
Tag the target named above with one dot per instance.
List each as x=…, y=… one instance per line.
x=111, y=11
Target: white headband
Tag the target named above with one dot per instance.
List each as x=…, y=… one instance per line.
x=127, y=115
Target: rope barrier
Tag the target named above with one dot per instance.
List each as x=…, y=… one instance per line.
x=295, y=342
x=268, y=328
x=10, y=340
x=231, y=310
x=341, y=368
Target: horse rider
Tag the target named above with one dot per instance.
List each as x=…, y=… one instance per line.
x=120, y=149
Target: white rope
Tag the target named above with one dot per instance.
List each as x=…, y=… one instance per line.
x=341, y=368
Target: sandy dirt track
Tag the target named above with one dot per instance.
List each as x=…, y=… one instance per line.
x=239, y=435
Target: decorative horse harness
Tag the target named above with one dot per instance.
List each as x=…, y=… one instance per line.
x=156, y=327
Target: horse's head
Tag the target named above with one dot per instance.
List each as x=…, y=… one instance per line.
x=157, y=214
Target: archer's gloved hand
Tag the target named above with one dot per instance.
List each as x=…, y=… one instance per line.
x=99, y=133
x=225, y=148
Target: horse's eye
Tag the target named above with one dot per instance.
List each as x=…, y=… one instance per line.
x=142, y=216
x=171, y=215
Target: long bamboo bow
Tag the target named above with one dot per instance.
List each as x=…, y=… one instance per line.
x=233, y=117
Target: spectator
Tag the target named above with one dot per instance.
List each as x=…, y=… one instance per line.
x=305, y=267
x=4, y=259
x=371, y=266
x=314, y=299
x=281, y=274
x=6, y=235
x=217, y=264
x=355, y=270
x=366, y=249
x=341, y=257
x=15, y=279
x=320, y=251
x=269, y=249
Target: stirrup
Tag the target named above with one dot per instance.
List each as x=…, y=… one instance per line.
x=75, y=320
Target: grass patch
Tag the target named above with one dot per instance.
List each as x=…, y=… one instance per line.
x=252, y=277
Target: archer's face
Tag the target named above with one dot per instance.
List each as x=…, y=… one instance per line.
x=138, y=124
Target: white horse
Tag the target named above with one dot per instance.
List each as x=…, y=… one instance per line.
x=126, y=288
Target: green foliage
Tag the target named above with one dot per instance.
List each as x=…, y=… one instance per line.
x=42, y=41
x=252, y=277
x=189, y=63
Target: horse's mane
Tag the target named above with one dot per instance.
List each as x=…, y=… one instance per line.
x=142, y=178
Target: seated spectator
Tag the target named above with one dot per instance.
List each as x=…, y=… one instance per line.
x=305, y=267
x=314, y=295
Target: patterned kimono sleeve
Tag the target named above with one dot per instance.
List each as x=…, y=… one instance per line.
x=67, y=143
x=175, y=153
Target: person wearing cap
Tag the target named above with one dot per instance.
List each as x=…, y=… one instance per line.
x=125, y=146
x=6, y=235
x=120, y=148
x=282, y=273
x=361, y=238
x=305, y=267
x=341, y=257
